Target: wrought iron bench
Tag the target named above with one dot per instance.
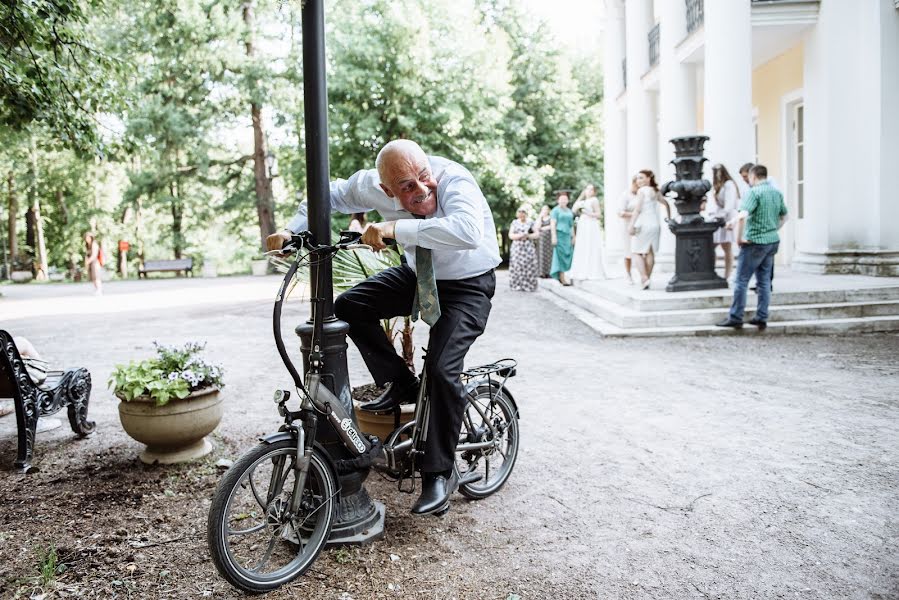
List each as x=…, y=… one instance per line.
x=70, y=388
x=162, y=266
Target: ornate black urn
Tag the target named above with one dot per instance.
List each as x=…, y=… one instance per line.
x=694, y=255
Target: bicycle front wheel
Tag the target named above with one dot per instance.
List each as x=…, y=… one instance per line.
x=257, y=542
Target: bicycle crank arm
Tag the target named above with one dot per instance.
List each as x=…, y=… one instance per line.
x=342, y=422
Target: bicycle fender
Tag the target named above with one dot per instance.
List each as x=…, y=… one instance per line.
x=473, y=385
x=274, y=438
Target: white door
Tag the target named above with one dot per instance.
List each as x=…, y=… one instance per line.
x=794, y=186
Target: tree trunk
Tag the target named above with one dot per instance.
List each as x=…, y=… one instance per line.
x=177, y=214
x=408, y=344
x=41, y=269
x=63, y=209
x=265, y=206
x=11, y=221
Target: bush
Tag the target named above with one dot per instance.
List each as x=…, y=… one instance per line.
x=174, y=373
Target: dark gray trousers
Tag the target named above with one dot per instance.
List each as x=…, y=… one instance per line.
x=464, y=307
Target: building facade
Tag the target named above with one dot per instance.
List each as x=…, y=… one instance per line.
x=809, y=88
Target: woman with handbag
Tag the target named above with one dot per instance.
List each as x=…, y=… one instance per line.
x=645, y=225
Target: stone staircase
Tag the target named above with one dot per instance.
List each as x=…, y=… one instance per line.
x=802, y=303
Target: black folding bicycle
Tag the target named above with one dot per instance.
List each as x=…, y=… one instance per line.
x=273, y=510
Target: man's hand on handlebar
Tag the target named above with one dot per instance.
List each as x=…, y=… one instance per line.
x=277, y=240
x=377, y=234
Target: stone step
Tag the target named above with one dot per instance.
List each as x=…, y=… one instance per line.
x=625, y=317
x=869, y=324
x=657, y=299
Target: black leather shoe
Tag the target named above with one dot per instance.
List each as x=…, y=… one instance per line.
x=729, y=323
x=435, y=493
x=393, y=396
x=762, y=325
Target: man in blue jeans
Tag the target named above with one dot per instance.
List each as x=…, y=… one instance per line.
x=764, y=212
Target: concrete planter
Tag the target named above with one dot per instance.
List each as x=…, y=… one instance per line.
x=381, y=425
x=21, y=276
x=210, y=269
x=259, y=267
x=175, y=432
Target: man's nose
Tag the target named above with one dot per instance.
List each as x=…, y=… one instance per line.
x=422, y=188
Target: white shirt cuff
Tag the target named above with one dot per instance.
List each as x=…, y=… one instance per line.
x=406, y=232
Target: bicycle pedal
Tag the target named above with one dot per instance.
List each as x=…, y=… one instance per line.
x=470, y=478
x=442, y=511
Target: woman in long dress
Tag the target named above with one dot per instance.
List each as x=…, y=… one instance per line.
x=587, y=260
x=92, y=262
x=628, y=201
x=724, y=198
x=523, y=257
x=645, y=225
x=563, y=239
x=545, y=242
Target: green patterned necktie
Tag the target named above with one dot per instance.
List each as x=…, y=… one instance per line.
x=426, y=288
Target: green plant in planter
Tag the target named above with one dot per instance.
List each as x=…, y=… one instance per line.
x=175, y=372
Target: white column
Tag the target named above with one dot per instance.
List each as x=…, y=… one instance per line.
x=851, y=135
x=677, y=97
x=616, y=178
x=677, y=86
x=642, y=139
x=728, y=82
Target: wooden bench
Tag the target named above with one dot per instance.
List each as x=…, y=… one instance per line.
x=70, y=388
x=162, y=266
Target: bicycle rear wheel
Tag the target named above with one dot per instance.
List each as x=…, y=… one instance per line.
x=255, y=541
x=489, y=416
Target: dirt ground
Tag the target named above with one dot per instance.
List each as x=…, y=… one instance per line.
x=734, y=467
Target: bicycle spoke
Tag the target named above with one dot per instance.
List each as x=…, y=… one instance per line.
x=268, y=552
x=254, y=529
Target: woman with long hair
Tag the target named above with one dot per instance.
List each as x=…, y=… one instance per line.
x=562, y=231
x=628, y=202
x=523, y=257
x=92, y=262
x=722, y=204
x=645, y=225
x=587, y=260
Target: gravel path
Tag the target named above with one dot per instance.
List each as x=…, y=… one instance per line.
x=746, y=467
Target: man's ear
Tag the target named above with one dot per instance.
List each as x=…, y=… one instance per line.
x=386, y=190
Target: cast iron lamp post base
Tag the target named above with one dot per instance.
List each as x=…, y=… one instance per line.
x=359, y=519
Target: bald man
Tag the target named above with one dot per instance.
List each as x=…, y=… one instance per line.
x=434, y=208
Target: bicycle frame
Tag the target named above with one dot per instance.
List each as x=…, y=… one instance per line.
x=316, y=396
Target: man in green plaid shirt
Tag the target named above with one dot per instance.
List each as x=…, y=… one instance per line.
x=764, y=212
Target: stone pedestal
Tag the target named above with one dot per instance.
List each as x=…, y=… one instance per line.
x=694, y=257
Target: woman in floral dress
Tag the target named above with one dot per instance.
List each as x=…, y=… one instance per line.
x=545, y=242
x=523, y=259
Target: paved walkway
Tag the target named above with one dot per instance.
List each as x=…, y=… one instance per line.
x=674, y=468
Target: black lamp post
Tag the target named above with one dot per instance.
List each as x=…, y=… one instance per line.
x=694, y=255
x=359, y=519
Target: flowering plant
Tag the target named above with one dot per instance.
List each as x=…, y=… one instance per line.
x=175, y=372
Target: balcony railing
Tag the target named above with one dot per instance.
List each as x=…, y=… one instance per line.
x=654, y=46
x=694, y=14
x=624, y=74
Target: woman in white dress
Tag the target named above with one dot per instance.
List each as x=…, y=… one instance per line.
x=628, y=201
x=587, y=260
x=645, y=225
x=724, y=198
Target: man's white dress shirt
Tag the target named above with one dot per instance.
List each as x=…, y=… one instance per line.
x=460, y=234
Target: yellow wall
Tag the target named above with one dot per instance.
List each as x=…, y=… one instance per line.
x=770, y=82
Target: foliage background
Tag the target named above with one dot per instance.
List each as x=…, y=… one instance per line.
x=133, y=119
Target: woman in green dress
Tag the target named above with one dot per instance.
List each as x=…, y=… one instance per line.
x=562, y=220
